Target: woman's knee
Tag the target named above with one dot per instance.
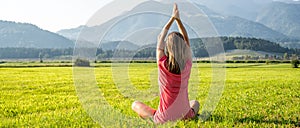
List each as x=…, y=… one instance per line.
x=135, y=105
x=194, y=102
x=195, y=105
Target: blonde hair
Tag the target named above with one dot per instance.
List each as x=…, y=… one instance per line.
x=178, y=52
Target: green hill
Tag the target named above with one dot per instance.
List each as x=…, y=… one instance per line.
x=241, y=43
x=26, y=35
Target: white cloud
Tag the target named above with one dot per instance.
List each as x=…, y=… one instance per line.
x=50, y=14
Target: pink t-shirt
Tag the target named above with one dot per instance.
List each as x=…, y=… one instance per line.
x=174, y=102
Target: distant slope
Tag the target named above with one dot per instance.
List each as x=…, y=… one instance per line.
x=246, y=9
x=289, y=1
x=14, y=34
x=71, y=33
x=236, y=26
x=282, y=17
x=119, y=45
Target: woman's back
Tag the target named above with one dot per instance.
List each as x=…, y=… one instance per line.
x=174, y=102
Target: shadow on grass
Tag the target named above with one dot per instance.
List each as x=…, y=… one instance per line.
x=259, y=120
x=216, y=118
x=273, y=121
x=212, y=118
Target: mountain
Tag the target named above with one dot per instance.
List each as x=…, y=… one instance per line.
x=279, y=15
x=71, y=33
x=225, y=25
x=282, y=17
x=120, y=45
x=247, y=9
x=288, y=1
x=26, y=35
x=236, y=26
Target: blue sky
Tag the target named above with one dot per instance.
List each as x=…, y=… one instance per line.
x=51, y=15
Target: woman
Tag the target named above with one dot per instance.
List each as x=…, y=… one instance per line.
x=174, y=61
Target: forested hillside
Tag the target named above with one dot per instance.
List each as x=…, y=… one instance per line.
x=149, y=51
x=231, y=43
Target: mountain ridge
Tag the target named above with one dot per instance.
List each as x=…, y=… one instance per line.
x=225, y=25
x=15, y=34
x=282, y=17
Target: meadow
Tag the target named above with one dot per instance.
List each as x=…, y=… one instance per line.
x=255, y=95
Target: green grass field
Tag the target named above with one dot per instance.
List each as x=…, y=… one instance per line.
x=256, y=95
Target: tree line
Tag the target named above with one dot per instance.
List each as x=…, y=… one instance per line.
x=197, y=46
x=32, y=53
x=242, y=43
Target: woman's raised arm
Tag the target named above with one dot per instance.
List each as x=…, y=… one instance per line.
x=161, y=39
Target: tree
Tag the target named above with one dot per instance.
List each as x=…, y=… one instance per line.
x=82, y=63
x=41, y=57
x=267, y=56
x=295, y=61
x=285, y=56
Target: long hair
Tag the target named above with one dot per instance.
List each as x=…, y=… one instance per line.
x=177, y=52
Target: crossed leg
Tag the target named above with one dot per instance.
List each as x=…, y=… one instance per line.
x=143, y=110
